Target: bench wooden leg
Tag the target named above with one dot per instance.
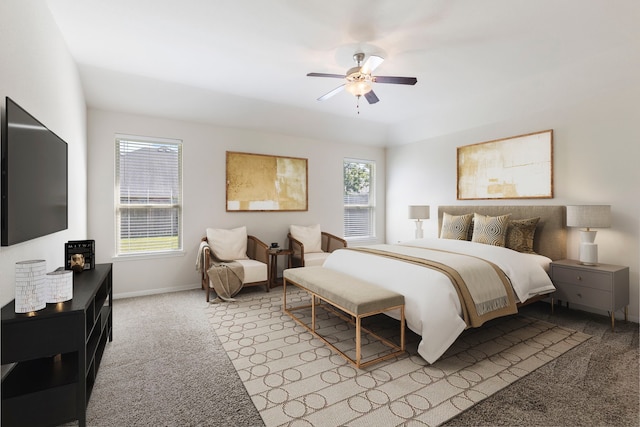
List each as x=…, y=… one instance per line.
x=358, y=341
x=402, y=324
x=313, y=313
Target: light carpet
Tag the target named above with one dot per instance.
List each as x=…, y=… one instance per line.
x=295, y=380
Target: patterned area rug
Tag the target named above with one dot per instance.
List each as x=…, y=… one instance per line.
x=294, y=379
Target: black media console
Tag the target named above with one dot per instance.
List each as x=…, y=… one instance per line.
x=50, y=358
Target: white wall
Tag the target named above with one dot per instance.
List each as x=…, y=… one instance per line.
x=596, y=153
x=37, y=72
x=204, y=148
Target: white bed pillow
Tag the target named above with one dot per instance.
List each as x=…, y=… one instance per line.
x=310, y=236
x=228, y=245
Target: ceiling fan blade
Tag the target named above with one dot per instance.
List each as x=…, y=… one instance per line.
x=330, y=94
x=371, y=97
x=371, y=64
x=337, y=76
x=395, y=80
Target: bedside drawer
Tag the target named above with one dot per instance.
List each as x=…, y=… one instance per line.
x=590, y=297
x=591, y=279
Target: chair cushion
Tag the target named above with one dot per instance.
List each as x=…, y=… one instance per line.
x=228, y=245
x=315, y=258
x=254, y=271
x=351, y=293
x=310, y=236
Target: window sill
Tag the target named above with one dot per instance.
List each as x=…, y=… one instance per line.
x=138, y=257
x=361, y=241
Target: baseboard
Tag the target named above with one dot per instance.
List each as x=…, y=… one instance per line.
x=156, y=291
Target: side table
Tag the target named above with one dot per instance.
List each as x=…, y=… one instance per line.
x=273, y=260
x=602, y=286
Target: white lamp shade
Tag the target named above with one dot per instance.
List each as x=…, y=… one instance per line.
x=60, y=286
x=589, y=216
x=31, y=285
x=418, y=212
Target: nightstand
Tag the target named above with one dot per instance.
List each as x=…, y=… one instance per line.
x=602, y=286
x=273, y=256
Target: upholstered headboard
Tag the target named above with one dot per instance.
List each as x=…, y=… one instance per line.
x=551, y=234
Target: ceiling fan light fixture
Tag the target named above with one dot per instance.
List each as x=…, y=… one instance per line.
x=358, y=87
x=359, y=81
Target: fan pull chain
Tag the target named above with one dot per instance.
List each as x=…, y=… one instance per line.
x=358, y=104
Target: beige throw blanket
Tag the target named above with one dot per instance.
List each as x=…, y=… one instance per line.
x=226, y=278
x=484, y=290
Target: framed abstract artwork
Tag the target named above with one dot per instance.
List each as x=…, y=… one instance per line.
x=519, y=167
x=260, y=182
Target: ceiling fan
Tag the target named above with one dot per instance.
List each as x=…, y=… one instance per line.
x=359, y=79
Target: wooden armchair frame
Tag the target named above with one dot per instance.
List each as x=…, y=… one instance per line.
x=329, y=243
x=256, y=250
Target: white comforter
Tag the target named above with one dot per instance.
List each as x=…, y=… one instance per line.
x=432, y=307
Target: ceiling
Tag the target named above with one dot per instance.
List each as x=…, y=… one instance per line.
x=244, y=63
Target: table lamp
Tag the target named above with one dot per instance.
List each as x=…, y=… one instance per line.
x=31, y=285
x=419, y=213
x=587, y=217
x=60, y=283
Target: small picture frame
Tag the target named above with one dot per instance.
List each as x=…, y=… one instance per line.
x=78, y=251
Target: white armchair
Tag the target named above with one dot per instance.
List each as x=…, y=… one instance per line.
x=237, y=247
x=310, y=246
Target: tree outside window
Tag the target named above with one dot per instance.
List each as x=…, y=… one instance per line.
x=359, y=200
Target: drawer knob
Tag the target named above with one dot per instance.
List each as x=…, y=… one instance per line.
x=579, y=295
x=579, y=278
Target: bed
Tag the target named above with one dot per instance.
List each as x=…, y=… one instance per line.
x=434, y=307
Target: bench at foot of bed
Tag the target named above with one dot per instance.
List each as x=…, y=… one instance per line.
x=352, y=296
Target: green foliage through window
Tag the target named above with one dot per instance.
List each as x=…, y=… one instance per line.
x=359, y=200
x=356, y=177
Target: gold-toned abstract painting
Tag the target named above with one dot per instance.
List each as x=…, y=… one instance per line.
x=520, y=167
x=259, y=182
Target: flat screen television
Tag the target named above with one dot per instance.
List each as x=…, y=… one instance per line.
x=34, y=178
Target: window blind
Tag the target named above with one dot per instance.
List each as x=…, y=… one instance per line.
x=148, y=195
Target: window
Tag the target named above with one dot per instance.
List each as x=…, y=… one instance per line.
x=359, y=200
x=148, y=195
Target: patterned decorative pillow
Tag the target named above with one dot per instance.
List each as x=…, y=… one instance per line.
x=455, y=226
x=490, y=230
x=520, y=233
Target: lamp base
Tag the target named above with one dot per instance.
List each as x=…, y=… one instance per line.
x=588, y=253
x=419, y=233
